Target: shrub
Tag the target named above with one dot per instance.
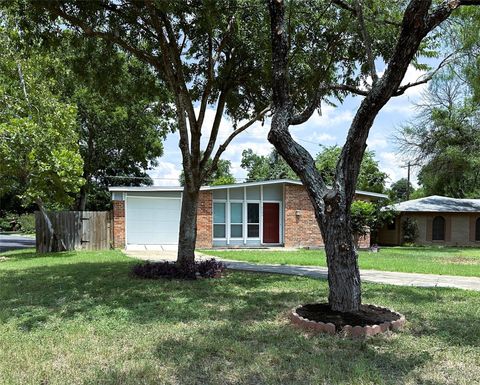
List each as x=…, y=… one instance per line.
x=153, y=270
x=14, y=222
x=27, y=223
x=410, y=230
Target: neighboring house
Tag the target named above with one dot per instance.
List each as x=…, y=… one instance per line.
x=440, y=221
x=254, y=214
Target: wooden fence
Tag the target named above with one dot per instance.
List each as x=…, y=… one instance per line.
x=78, y=230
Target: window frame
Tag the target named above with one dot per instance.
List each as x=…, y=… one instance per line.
x=253, y=223
x=444, y=230
x=230, y=223
x=224, y=201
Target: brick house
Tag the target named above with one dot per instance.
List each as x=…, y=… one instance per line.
x=253, y=214
x=440, y=221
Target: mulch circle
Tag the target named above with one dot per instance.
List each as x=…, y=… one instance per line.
x=367, y=321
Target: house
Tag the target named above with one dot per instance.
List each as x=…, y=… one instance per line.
x=440, y=221
x=253, y=214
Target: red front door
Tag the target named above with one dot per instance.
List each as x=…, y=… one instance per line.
x=271, y=223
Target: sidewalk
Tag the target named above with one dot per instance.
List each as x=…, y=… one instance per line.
x=376, y=276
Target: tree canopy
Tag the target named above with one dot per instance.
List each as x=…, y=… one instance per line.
x=444, y=139
x=260, y=167
x=370, y=178
x=38, y=137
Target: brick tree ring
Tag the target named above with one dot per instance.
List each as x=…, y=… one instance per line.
x=368, y=321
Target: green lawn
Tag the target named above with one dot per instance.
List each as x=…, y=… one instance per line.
x=429, y=260
x=80, y=318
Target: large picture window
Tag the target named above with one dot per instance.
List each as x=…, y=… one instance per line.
x=477, y=230
x=236, y=220
x=253, y=220
x=438, y=229
x=219, y=220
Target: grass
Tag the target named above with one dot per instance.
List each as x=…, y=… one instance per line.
x=428, y=260
x=80, y=318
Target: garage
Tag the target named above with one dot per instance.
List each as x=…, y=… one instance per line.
x=152, y=220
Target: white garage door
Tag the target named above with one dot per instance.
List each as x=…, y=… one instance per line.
x=152, y=221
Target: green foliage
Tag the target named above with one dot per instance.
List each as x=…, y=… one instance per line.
x=410, y=230
x=121, y=124
x=27, y=223
x=444, y=139
x=14, y=222
x=222, y=175
x=363, y=217
x=38, y=138
x=400, y=189
x=269, y=167
x=370, y=177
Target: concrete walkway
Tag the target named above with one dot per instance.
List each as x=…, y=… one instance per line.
x=376, y=276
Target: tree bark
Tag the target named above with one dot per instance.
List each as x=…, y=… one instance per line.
x=82, y=198
x=332, y=206
x=188, y=233
x=342, y=259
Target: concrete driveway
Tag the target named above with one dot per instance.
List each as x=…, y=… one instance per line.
x=15, y=242
x=376, y=276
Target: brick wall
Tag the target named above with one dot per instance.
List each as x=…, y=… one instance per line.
x=118, y=224
x=204, y=220
x=301, y=228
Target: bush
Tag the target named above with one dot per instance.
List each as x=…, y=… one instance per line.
x=153, y=270
x=410, y=230
x=27, y=223
x=14, y=222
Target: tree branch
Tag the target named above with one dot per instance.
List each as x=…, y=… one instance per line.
x=401, y=90
x=232, y=136
x=215, y=128
x=212, y=62
x=367, y=41
x=90, y=32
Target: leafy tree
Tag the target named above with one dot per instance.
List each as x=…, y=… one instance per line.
x=368, y=217
x=269, y=167
x=444, y=139
x=38, y=138
x=121, y=124
x=222, y=175
x=208, y=55
x=370, y=178
x=371, y=32
x=400, y=190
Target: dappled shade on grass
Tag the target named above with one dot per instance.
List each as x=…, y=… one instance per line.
x=81, y=318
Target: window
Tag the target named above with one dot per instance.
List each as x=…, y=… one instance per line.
x=218, y=220
x=253, y=220
x=236, y=220
x=477, y=230
x=438, y=229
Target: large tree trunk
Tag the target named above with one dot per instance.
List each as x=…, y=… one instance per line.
x=188, y=233
x=81, y=202
x=342, y=261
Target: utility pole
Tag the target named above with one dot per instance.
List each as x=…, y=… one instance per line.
x=408, y=181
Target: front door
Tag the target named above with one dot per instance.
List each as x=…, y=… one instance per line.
x=271, y=223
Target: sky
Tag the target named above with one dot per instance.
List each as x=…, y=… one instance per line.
x=328, y=129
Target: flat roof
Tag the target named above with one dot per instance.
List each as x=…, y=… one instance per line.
x=224, y=186
x=437, y=203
